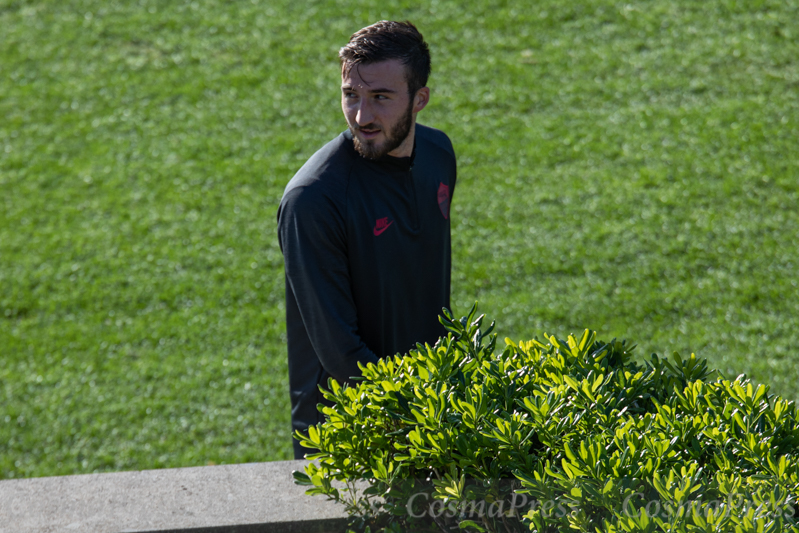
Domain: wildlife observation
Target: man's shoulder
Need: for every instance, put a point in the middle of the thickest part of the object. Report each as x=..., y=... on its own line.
x=324, y=175
x=435, y=138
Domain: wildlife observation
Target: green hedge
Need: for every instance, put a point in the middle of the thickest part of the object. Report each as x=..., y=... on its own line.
x=554, y=436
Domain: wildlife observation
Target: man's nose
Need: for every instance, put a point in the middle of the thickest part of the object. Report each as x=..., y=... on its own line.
x=364, y=115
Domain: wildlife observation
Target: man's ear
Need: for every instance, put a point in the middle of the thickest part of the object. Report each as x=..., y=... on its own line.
x=420, y=99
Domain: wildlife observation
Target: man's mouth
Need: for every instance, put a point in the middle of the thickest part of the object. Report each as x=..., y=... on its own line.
x=369, y=133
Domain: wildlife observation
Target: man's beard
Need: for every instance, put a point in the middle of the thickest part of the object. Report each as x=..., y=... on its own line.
x=394, y=137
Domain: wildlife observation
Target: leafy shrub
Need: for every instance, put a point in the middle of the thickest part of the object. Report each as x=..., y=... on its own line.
x=552, y=437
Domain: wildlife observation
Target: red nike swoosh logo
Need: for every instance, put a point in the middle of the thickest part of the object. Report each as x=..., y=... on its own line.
x=377, y=231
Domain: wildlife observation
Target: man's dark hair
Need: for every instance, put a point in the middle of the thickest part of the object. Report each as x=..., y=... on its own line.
x=387, y=40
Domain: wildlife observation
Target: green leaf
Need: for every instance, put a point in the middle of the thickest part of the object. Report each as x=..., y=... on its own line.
x=464, y=524
x=571, y=382
x=736, y=416
x=301, y=478
x=569, y=453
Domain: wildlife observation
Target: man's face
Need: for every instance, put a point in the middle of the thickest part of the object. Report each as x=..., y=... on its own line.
x=378, y=109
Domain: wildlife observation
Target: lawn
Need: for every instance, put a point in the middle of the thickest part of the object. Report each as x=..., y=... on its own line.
x=627, y=167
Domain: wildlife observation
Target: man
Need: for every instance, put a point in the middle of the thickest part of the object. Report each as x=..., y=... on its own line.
x=364, y=224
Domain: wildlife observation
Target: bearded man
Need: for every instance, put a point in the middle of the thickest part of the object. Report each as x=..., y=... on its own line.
x=364, y=225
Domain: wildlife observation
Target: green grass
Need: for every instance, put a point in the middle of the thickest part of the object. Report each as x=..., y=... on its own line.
x=627, y=167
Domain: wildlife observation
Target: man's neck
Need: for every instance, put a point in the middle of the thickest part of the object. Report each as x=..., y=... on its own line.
x=406, y=148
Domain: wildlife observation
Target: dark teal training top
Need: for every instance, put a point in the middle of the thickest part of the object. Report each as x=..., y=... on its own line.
x=366, y=245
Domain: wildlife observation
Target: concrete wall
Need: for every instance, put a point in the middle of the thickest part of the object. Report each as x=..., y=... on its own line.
x=248, y=498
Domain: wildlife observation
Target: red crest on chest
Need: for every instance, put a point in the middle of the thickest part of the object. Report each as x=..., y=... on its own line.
x=443, y=199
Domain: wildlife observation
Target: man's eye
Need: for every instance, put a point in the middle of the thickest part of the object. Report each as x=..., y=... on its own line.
x=381, y=97
x=349, y=95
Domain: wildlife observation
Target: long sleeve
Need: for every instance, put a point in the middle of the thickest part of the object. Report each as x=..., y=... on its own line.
x=367, y=253
x=312, y=236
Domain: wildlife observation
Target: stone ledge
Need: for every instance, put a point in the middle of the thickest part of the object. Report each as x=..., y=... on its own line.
x=247, y=498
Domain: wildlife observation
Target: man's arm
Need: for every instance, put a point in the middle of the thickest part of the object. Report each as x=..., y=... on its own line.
x=312, y=236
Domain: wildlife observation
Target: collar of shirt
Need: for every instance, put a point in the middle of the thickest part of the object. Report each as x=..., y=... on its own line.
x=387, y=162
